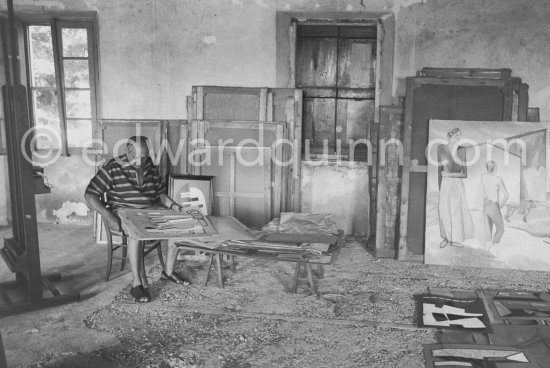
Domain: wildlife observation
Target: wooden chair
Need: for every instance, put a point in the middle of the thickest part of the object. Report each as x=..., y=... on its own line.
x=148, y=247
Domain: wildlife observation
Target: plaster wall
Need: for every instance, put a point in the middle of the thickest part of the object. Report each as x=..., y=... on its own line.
x=152, y=51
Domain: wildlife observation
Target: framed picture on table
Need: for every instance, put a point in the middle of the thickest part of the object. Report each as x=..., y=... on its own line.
x=192, y=191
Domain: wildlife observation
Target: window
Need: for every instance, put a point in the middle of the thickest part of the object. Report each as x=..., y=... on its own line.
x=335, y=68
x=62, y=82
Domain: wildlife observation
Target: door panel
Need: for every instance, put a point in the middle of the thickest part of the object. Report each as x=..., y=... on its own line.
x=316, y=62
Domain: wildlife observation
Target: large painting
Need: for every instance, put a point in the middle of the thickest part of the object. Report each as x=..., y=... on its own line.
x=488, y=194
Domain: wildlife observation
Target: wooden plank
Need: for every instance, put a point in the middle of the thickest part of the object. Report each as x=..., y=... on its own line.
x=297, y=164
x=317, y=31
x=240, y=194
x=269, y=116
x=48, y=284
x=499, y=83
x=232, y=179
x=292, y=36
x=320, y=92
x=478, y=73
x=199, y=100
x=263, y=105
x=278, y=183
x=191, y=113
x=184, y=136
x=268, y=193
x=384, y=65
x=163, y=162
x=329, y=92
x=407, y=137
x=362, y=93
x=193, y=143
x=291, y=153
x=234, y=124
x=523, y=103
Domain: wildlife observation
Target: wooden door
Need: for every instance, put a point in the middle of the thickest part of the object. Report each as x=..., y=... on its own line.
x=335, y=68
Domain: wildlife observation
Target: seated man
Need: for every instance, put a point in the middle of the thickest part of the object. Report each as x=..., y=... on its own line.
x=132, y=181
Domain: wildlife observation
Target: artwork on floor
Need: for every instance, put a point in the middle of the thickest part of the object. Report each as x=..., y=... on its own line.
x=192, y=191
x=510, y=307
x=445, y=312
x=476, y=356
x=488, y=187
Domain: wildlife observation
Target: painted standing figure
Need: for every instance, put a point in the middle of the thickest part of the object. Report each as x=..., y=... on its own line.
x=495, y=196
x=455, y=220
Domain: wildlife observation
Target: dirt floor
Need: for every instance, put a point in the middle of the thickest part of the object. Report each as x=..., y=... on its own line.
x=363, y=317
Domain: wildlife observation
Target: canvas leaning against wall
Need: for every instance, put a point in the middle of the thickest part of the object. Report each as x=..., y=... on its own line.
x=488, y=194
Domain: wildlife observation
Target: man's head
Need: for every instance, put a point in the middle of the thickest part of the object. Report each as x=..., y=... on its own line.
x=491, y=166
x=137, y=150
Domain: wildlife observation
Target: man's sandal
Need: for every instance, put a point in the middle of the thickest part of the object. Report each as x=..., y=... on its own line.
x=147, y=292
x=175, y=278
x=139, y=294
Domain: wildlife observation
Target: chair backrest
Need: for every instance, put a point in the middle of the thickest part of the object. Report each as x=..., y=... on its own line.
x=193, y=198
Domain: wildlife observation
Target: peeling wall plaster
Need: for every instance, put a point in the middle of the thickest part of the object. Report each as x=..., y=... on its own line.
x=69, y=210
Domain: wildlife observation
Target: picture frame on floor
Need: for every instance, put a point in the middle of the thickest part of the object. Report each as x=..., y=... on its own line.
x=192, y=191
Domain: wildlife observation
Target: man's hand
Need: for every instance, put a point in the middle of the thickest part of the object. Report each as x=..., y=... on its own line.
x=113, y=222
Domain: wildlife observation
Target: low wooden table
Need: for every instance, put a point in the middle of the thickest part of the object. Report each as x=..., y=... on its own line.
x=230, y=228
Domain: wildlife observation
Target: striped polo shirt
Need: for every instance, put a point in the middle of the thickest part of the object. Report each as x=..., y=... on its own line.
x=119, y=180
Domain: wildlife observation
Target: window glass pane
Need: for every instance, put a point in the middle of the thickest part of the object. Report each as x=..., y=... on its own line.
x=41, y=58
x=75, y=42
x=77, y=73
x=78, y=104
x=79, y=133
x=46, y=114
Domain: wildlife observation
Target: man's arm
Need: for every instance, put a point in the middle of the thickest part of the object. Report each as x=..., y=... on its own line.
x=95, y=204
x=97, y=187
x=168, y=202
x=504, y=192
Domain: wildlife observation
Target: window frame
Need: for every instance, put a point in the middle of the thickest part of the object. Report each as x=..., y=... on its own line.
x=57, y=22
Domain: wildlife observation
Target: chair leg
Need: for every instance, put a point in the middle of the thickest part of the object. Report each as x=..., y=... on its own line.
x=109, y=261
x=143, y=273
x=124, y=256
x=159, y=253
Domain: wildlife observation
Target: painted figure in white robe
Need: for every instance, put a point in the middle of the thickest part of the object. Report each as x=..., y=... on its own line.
x=455, y=220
